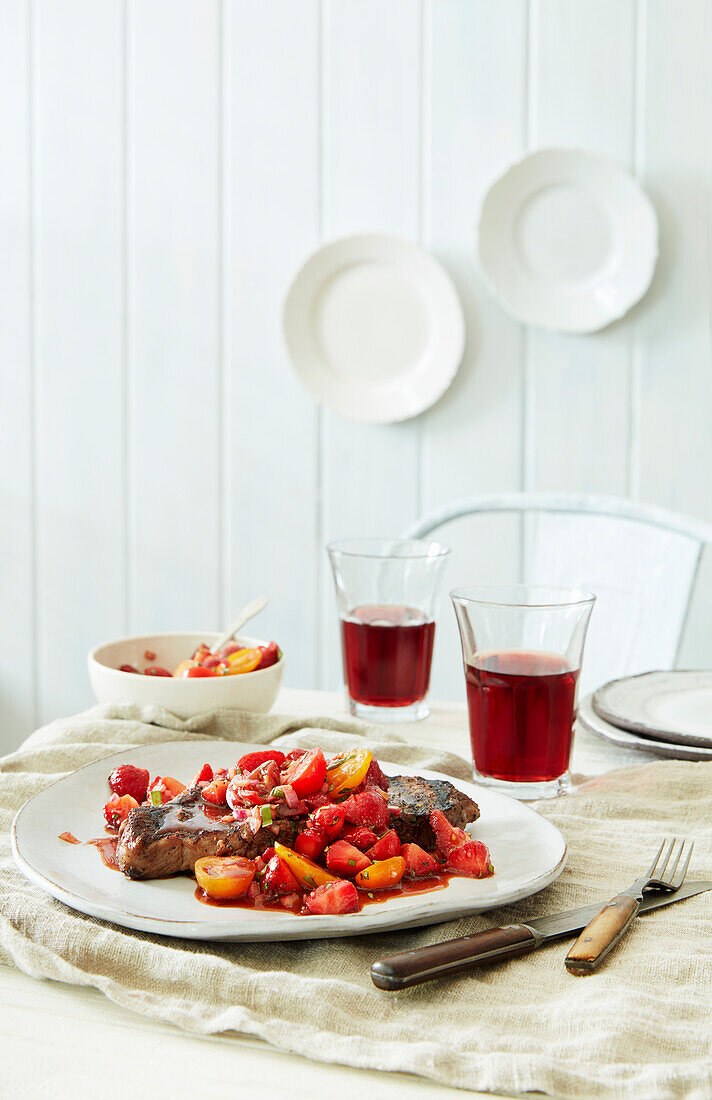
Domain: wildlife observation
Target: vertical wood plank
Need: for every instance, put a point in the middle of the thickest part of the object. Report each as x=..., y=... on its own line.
x=78, y=326
x=16, y=438
x=582, y=74
x=675, y=330
x=176, y=452
x=272, y=196
x=371, y=183
x=471, y=438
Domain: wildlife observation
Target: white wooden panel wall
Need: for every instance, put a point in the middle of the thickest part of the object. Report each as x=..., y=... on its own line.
x=165, y=167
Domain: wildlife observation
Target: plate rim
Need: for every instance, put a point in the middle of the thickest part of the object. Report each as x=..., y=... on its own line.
x=627, y=739
x=307, y=928
x=642, y=727
x=456, y=336
x=611, y=314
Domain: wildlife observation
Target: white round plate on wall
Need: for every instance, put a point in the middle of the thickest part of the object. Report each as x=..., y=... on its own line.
x=374, y=328
x=567, y=240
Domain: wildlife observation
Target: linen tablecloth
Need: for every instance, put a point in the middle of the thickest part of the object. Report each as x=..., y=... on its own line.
x=640, y=1027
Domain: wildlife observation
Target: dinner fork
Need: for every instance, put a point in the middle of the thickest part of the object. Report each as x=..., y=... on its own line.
x=666, y=872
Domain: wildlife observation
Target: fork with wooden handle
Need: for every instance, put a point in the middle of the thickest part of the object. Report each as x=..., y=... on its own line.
x=667, y=872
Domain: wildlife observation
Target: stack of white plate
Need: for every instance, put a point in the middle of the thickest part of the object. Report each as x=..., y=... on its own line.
x=665, y=713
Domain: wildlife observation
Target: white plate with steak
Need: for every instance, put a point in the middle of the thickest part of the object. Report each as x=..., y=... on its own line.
x=159, y=844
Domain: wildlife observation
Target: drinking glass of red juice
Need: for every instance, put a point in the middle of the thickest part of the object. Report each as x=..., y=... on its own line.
x=386, y=591
x=522, y=647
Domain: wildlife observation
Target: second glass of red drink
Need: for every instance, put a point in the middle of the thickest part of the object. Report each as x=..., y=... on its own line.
x=386, y=591
x=522, y=647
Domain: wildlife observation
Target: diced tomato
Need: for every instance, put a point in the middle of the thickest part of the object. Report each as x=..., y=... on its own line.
x=361, y=837
x=367, y=808
x=216, y=792
x=375, y=776
x=381, y=875
x=244, y=660
x=418, y=862
x=156, y=670
x=296, y=754
x=230, y=648
x=333, y=899
x=447, y=836
x=252, y=760
x=203, y=776
x=331, y=818
x=117, y=809
x=149, y=655
x=471, y=860
x=307, y=774
x=389, y=845
x=225, y=876
x=129, y=668
x=270, y=655
x=127, y=779
x=344, y=860
x=211, y=662
x=312, y=842
x=277, y=879
x=198, y=671
x=168, y=788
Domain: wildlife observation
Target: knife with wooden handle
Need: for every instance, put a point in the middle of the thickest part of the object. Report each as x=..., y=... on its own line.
x=456, y=956
x=602, y=934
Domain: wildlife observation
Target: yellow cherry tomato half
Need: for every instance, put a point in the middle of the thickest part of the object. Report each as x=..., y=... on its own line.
x=244, y=660
x=381, y=874
x=347, y=771
x=225, y=876
x=308, y=874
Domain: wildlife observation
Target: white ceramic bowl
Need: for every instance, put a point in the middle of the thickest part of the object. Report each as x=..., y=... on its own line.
x=254, y=691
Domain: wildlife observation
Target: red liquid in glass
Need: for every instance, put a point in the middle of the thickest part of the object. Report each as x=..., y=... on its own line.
x=387, y=653
x=521, y=707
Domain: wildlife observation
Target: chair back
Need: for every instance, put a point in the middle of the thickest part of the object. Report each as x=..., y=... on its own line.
x=640, y=561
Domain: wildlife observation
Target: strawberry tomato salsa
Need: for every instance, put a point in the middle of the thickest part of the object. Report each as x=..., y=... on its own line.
x=232, y=660
x=344, y=847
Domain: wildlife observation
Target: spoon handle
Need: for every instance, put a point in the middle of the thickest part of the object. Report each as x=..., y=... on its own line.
x=248, y=612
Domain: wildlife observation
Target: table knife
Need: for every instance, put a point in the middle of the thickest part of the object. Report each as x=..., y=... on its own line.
x=442, y=960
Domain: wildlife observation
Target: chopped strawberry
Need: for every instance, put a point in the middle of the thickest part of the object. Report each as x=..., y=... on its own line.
x=447, y=836
x=418, y=862
x=344, y=860
x=312, y=842
x=117, y=809
x=270, y=655
x=307, y=774
x=333, y=899
x=471, y=860
x=127, y=779
x=199, y=671
x=168, y=788
x=149, y=655
x=389, y=845
x=367, y=808
x=252, y=760
x=331, y=818
x=203, y=776
x=361, y=837
x=129, y=668
x=277, y=879
x=216, y=792
x=156, y=670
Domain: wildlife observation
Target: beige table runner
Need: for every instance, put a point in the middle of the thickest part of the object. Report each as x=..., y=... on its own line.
x=641, y=1027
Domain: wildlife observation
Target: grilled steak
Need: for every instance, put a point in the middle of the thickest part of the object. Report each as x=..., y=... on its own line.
x=417, y=798
x=157, y=841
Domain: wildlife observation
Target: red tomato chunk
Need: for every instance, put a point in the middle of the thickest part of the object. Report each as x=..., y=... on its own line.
x=333, y=899
x=389, y=845
x=117, y=809
x=312, y=842
x=344, y=860
x=418, y=862
x=306, y=775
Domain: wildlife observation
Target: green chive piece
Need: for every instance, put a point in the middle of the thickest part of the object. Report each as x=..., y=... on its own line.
x=266, y=815
x=156, y=798
x=352, y=863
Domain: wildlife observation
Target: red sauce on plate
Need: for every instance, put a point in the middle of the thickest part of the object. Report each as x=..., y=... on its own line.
x=405, y=888
x=107, y=850
x=69, y=837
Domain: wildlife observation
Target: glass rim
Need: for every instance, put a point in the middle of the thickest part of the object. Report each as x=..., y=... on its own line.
x=577, y=597
x=347, y=547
